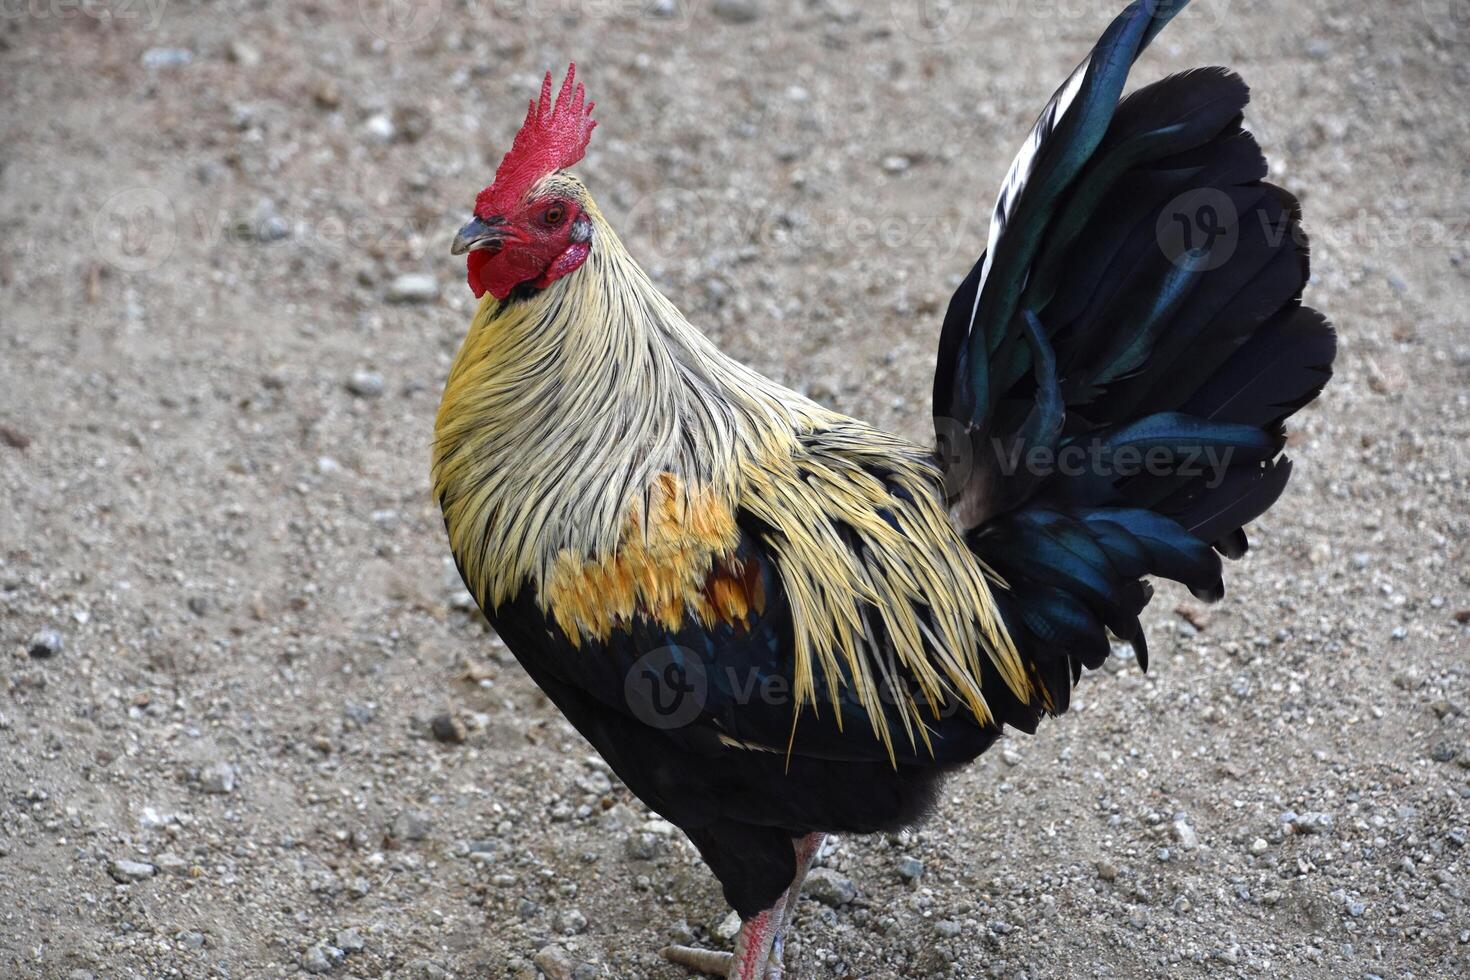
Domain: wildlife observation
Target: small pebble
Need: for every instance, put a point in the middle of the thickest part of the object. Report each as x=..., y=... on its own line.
x=910, y=869
x=322, y=958
x=366, y=384
x=410, y=826
x=448, y=728
x=640, y=846
x=171, y=864
x=157, y=58
x=217, y=778
x=422, y=969
x=571, y=922
x=413, y=287
x=727, y=927
x=45, y=644
x=327, y=95
x=1313, y=822
x=243, y=54
x=380, y=128
x=556, y=963
x=411, y=123
x=125, y=871
x=829, y=887
x=737, y=11
x=595, y=782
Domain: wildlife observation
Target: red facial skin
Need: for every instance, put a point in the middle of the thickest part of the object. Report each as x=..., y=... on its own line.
x=538, y=248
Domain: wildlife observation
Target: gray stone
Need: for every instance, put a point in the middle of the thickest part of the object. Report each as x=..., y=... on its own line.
x=217, y=778
x=737, y=11
x=728, y=927
x=641, y=846
x=322, y=958
x=488, y=851
x=157, y=58
x=1313, y=822
x=350, y=941
x=555, y=962
x=411, y=826
x=595, y=782
x=413, y=287
x=243, y=54
x=45, y=644
x=910, y=869
x=171, y=864
x=571, y=922
x=125, y=871
x=446, y=727
x=829, y=887
x=366, y=384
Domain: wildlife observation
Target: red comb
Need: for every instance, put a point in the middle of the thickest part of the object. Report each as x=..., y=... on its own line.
x=552, y=137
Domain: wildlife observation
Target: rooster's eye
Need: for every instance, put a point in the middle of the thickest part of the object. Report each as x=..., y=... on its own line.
x=553, y=214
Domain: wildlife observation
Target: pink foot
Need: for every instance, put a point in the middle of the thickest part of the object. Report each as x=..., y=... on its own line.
x=761, y=942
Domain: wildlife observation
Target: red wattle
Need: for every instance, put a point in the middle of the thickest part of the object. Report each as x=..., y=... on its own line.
x=500, y=273
x=474, y=262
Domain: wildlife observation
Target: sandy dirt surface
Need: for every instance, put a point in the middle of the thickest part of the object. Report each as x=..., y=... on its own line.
x=227, y=619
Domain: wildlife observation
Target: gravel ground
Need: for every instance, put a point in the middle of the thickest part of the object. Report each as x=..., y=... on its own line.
x=250, y=725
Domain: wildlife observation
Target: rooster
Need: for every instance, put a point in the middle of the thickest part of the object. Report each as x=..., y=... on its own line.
x=776, y=622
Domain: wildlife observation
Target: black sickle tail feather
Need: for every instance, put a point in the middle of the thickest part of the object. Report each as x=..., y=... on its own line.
x=1116, y=395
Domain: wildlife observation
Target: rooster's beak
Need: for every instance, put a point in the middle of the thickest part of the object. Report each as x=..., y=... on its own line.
x=480, y=234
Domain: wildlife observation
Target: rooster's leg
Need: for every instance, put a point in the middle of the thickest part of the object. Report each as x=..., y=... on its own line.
x=806, y=851
x=759, y=945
